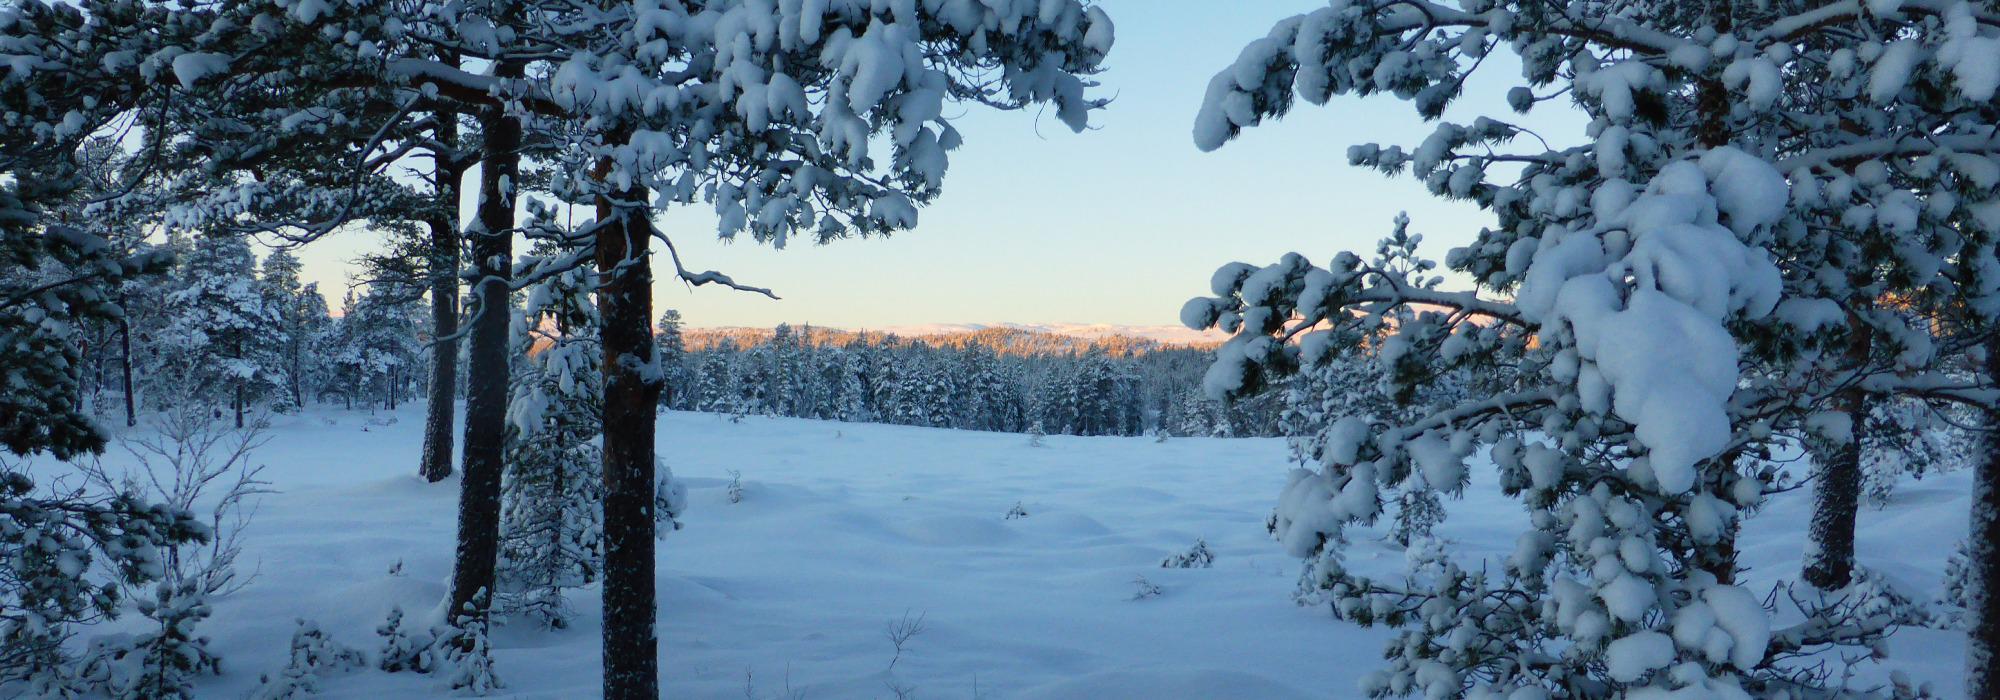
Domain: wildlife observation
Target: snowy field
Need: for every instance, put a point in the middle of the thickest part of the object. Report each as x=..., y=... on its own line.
x=846, y=528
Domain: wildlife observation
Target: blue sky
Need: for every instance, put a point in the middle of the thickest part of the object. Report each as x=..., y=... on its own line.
x=1119, y=224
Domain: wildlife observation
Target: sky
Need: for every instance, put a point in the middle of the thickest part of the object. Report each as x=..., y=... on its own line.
x=1120, y=224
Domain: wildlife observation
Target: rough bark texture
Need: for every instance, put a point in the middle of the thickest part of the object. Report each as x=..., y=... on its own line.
x=437, y=454
x=125, y=365
x=1836, y=496
x=486, y=367
x=1837, y=489
x=631, y=647
x=1982, y=678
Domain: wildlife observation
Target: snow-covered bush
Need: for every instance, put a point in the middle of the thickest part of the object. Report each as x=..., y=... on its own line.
x=192, y=461
x=464, y=653
x=1954, y=596
x=1143, y=589
x=313, y=655
x=399, y=650
x=1196, y=557
x=161, y=663
x=67, y=556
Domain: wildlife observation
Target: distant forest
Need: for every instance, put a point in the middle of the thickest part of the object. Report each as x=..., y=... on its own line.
x=997, y=379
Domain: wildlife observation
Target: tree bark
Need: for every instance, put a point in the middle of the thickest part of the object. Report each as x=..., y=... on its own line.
x=436, y=464
x=486, y=369
x=295, y=369
x=1837, y=492
x=624, y=300
x=125, y=366
x=1982, y=643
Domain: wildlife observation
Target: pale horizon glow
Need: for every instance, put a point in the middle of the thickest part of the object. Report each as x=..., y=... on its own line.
x=1118, y=225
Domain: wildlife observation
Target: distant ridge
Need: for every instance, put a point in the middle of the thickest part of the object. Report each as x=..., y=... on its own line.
x=1003, y=338
x=1165, y=335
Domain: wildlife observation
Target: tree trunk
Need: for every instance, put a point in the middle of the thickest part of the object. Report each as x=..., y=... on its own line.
x=1837, y=492
x=1982, y=643
x=436, y=463
x=631, y=647
x=125, y=365
x=295, y=357
x=239, y=405
x=486, y=368
x=1836, y=498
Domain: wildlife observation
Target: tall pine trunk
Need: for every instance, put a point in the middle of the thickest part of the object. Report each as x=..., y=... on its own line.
x=295, y=364
x=486, y=369
x=1982, y=643
x=1836, y=498
x=631, y=645
x=436, y=464
x=125, y=365
x=1829, y=561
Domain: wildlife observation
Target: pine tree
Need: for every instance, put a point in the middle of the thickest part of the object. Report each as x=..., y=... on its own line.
x=492, y=249
x=221, y=333
x=314, y=323
x=675, y=373
x=551, y=523
x=450, y=160
x=1742, y=187
x=55, y=277
x=284, y=292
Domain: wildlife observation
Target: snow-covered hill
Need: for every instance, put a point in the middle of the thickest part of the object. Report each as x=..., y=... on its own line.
x=998, y=336
x=1165, y=335
x=846, y=528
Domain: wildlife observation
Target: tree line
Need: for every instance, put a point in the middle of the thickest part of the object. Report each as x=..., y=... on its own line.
x=993, y=379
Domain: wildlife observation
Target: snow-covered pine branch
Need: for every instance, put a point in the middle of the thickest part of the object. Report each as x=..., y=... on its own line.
x=1673, y=296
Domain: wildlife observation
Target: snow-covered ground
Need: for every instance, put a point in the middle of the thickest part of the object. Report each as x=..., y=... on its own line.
x=846, y=528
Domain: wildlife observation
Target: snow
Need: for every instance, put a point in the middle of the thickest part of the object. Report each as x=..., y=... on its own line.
x=1738, y=614
x=1344, y=440
x=1614, y=85
x=191, y=68
x=844, y=527
x=1892, y=70
x=873, y=66
x=1631, y=658
x=1627, y=597
x=1442, y=468
x=1660, y=346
